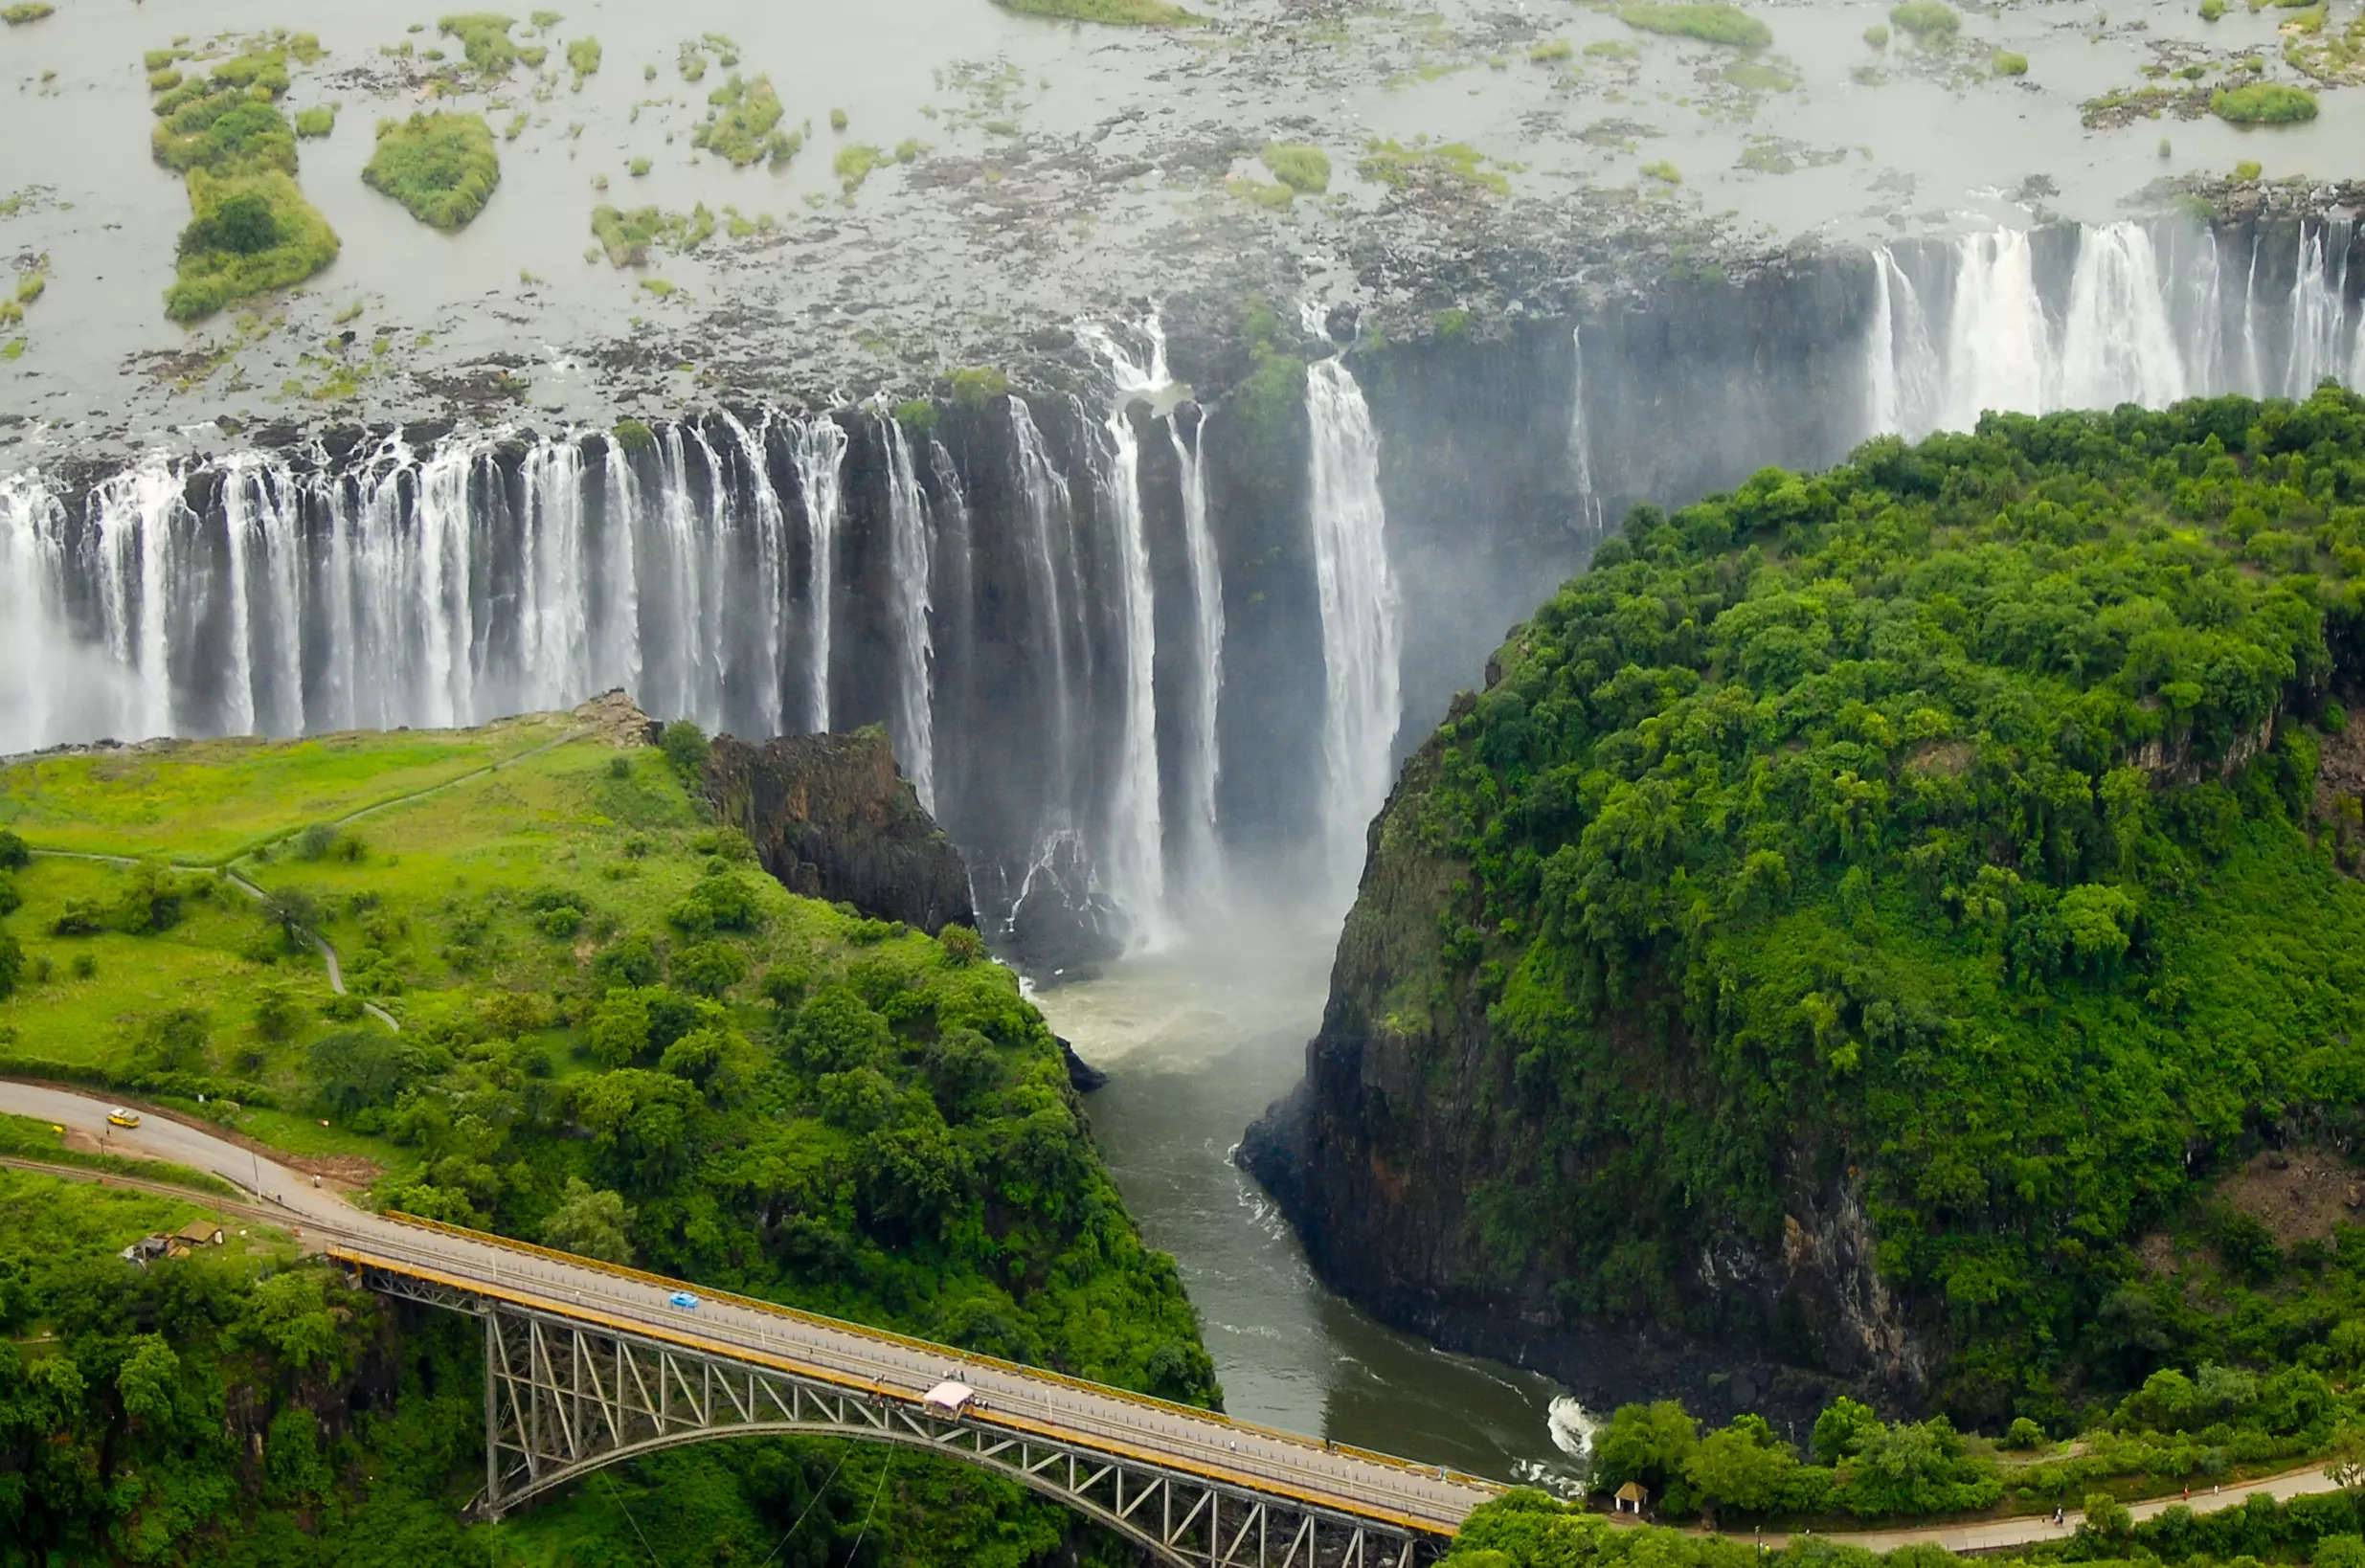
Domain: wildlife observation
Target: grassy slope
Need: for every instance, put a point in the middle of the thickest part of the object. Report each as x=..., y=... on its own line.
x=1027, y=1253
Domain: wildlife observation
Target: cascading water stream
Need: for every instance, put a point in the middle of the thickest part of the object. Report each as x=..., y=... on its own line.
x=2117, y=345
x=1202, y=763
x=819, y=449
x=1580, y=443
x=906, y=504
x=1362, y=636
x=1136, y=820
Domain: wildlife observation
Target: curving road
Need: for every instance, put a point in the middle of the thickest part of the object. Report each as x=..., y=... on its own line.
x=1255, y=1458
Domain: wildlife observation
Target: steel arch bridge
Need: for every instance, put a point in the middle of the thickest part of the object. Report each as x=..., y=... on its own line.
x=570, y=1391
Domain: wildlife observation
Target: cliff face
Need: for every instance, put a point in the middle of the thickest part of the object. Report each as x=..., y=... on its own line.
x=832, y=819
x=1409, y=1116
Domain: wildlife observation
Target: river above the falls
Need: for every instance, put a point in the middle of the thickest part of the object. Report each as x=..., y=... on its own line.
x=1197, y=1038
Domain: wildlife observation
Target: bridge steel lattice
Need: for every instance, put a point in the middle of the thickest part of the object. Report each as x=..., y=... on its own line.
x=565, y=1396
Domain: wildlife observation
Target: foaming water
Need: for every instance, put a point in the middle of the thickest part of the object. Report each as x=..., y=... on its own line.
x=1198, y=1038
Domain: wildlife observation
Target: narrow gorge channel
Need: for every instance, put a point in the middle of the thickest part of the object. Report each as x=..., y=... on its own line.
x=1149, y=646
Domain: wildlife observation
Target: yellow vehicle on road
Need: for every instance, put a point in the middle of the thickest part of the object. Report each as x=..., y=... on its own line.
x=121, y=1118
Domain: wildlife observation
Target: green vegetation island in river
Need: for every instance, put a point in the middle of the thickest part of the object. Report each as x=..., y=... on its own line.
x=1902, y=927
x=616, y=1036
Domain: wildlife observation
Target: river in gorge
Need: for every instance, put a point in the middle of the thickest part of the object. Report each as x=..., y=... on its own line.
x=1197, y=1038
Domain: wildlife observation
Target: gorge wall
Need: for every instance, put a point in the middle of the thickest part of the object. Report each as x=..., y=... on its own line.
x=1128, y=644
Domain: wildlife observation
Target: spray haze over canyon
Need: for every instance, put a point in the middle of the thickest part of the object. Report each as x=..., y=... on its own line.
x=1156, y=517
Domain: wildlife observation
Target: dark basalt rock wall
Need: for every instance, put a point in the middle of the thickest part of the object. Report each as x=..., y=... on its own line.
x=832, y=819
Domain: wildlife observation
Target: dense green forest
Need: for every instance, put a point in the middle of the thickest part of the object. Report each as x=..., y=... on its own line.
x=1526, y=1529
x=1970, y=831
x=616, y=1036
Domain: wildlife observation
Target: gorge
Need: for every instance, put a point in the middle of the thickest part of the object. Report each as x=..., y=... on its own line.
x=1121, y=651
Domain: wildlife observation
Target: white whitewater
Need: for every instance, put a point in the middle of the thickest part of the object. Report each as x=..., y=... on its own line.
x=1136, y=817
x=2146, y=316
x=556, y=655
x=1203, y=761
x=621, y=573
x=1363, y=635
x=768, y=523
x=1045, y=491
x=2117, y=346
x=913, y=728
x=1579, y=443
x=32, y=630
x=820, y=448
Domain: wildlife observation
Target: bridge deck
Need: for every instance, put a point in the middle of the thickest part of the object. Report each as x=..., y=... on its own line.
x=1022, y=1401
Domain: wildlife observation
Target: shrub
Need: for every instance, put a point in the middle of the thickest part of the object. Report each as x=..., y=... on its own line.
x=2010, y=64
x=2211, y=10
x=317, y=121
x=974, y=386
x=441, y=167
x=14, y=855
x=709, y=968
x=962, y=945
x=315, y=841
x=853, y=165
x=12, y=965
x=1929, y=21
x=1663, y=172
x=1710, y=21
x=27, y=11
x=1307, y=169
x=1877, y=34
x=635, y=436
x=837, y=120
x=484, y=38
x=741, y=125
x=640, y=167
x=1110, y=13
x=2263, y=104
x=2249, y=168
x=685, y=746
x=163, y=80
x=1553, y=49
x=916, y=415
x=583, y=59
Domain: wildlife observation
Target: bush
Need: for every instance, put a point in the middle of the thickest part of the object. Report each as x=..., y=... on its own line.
x=640, y=167
x=1708, y=20
x=215, y=272
x=2263, y=104
x=26, y=10
x=685, y=746
x=740, y=127
x=1307, y=169
x=962, y=945
x=1877, y=34
x=2211, y=10
x=1109, y=13
x=442, y=167
x=2010, y=64
x=315, y=841
x=583, y=59
x=14, y=855
x=12, y=965
x=484, y=38
x=317, y=121
x=1929, y=21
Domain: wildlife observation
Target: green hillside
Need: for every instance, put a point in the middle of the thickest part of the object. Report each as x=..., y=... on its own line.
x=594, y=1023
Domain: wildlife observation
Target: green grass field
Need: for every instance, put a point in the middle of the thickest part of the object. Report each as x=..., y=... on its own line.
x=200, y=803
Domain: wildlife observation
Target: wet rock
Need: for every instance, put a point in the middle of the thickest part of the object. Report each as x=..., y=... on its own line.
x=832, y=817
x=1082, y=1076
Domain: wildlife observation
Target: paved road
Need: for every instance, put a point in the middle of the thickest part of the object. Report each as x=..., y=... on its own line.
x=1252, y=1457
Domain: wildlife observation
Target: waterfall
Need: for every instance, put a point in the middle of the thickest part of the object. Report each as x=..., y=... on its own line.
x=819, y=449
x=2117, y=346
x=555, y=572
x=1580, y=446
x=765, y=636
x=1203, y=760
x=907, y=552
x=2316, y=307
x=1138, y=868
x=1998, y=342
x=621, y=504
x=1362, y=634
x=1044, y=489
x=2146, y=316
x=53, y=687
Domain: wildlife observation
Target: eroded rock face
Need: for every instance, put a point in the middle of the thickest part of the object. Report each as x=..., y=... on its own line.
x=831, y=817
x=1383, y=1156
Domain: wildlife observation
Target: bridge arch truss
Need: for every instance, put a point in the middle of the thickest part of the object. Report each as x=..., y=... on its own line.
x=565, y=1397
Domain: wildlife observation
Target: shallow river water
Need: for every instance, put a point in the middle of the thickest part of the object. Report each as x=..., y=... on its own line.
x=1197, y=1040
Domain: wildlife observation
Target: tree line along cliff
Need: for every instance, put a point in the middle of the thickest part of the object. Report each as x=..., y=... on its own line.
x=1875, y=919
